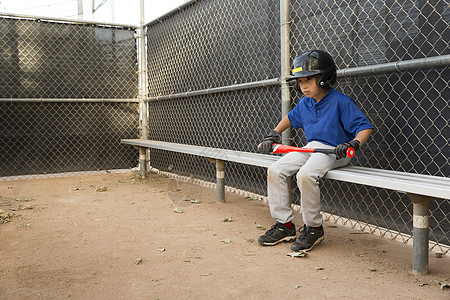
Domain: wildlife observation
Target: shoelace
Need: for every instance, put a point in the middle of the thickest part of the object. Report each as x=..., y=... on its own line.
x=272, y=229
x=304, y=231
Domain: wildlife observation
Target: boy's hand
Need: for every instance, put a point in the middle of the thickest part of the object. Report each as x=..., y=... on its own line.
x=266, y=144
x=341, y=150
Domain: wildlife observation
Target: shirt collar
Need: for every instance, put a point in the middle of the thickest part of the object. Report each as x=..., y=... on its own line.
x=323, y=100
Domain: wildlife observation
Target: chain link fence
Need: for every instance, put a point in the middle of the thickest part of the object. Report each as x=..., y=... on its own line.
x=68, y=89
x=192, y=54
x=66, y=96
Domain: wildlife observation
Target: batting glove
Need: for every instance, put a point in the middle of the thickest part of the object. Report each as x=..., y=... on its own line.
x=266, y=144
x=341, y=150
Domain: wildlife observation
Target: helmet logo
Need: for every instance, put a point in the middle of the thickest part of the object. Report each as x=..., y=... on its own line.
x=297, y=70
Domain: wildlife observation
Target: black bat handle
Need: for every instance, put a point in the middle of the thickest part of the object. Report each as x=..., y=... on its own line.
x=350, y=151
x=324, y=150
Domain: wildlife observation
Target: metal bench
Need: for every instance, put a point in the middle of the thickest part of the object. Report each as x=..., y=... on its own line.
x=421, y=189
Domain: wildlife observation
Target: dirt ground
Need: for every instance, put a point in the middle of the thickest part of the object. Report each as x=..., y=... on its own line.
x=162, y=238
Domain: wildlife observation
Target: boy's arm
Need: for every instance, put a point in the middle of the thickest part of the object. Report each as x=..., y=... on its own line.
x=363, y=136
x=283, y=125
x=274, y=136
x=360, y=138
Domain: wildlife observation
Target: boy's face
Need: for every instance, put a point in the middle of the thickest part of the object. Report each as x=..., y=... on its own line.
x=310, y=89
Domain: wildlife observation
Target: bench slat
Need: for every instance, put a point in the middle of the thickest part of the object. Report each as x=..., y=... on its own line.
x=432, y=186
x=255, y=159
x=426, y=185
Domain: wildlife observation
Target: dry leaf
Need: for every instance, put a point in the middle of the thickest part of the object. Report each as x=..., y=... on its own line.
x=102, y=188
x=298, y=254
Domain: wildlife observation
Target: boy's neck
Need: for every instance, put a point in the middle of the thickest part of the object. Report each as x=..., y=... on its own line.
x=321, y=95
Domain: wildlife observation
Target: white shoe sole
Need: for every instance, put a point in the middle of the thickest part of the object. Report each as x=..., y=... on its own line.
x=306, y=250
x=287, y=239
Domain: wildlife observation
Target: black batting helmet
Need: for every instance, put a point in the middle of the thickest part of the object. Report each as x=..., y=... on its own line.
x=313, y=63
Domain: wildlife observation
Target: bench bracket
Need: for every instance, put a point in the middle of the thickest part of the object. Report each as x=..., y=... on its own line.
x=421, y=228
x=143, y=161
x=220, y=176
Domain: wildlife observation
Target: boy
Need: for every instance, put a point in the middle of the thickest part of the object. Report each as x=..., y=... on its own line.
x=329, y=119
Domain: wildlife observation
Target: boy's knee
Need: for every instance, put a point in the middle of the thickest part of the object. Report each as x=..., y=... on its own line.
x=302, y=173
x=276, y=172
x=273, y=171
x=305, y=175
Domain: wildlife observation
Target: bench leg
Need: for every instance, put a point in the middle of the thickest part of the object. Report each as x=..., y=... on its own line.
x=220, y=170
x=421, y=228
x=143, y=161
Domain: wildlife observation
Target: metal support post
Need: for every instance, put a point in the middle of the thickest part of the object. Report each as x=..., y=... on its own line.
x=143, y=161
x=143, y=92
x=220, y=170
x=421, y=228
x=285, y=72
x=285, y=67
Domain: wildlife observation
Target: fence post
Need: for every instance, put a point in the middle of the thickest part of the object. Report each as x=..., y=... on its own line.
x=143, y=92
x=285, y=66
x=285, y=72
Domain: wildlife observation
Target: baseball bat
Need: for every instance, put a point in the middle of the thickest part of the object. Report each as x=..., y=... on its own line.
x=279, y=148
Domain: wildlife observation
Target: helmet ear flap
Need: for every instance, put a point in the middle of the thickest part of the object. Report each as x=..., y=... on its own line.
x=324, y=83
x=321, y=83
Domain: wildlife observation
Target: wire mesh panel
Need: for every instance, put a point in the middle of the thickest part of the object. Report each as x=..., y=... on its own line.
x=45, y=138
x=46, y=59
x=205, y=45
x=359, y=33
x=235, y=120
x=214, y=43
x=47, y=69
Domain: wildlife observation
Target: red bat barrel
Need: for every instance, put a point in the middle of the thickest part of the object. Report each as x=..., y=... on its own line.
x=279, y=148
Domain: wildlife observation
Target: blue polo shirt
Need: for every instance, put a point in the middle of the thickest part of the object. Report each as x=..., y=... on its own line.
x=334, y=120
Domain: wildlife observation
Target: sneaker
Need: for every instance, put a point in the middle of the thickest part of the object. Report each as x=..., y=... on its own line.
x=278, y=233
x=309, y=237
